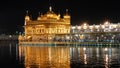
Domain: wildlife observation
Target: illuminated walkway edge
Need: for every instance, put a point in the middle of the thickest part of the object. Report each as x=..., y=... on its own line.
x=68, y=43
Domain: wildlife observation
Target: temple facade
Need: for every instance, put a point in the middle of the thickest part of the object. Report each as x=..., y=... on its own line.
x=52, y=27
x=46, y=27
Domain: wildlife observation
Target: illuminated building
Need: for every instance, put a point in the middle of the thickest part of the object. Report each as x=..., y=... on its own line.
x=86, y=28
x=46, y=27
x=107, y=32
x=51, y=27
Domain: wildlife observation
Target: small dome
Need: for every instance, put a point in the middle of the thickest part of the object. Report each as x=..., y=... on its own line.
x=66, y=15
x=27, y=17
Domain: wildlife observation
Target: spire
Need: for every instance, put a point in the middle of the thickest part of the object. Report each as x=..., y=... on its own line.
x=27, y=12
x=39, y=16
x=27, y=17
x=66, y=11
x=39, y=13
x=50, y=8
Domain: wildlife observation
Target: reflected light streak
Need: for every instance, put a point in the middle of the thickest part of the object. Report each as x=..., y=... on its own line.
x=49, y=54
x=106, y=61
x=97, y=52
x=85, y=58
x=10, y=49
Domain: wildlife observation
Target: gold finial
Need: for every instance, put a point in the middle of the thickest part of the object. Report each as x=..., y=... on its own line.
x=50, y=8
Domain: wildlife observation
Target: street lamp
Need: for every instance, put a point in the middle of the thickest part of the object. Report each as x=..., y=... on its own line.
x=85, y=26
x=106, y=23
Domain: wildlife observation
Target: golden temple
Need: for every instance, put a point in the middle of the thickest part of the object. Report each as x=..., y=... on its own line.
x=46, y=27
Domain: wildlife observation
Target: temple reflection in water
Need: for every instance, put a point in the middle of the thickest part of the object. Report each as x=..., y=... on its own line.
x=45, y=56
x=68, y=56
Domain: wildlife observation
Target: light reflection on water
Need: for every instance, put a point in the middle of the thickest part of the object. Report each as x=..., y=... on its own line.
x=69, y=56
x=58, y=56
x=45, y=56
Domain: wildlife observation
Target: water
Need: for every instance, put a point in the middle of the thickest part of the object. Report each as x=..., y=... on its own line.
x=13, y=55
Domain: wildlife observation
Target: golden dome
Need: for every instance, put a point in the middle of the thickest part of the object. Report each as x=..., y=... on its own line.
x=50, y=14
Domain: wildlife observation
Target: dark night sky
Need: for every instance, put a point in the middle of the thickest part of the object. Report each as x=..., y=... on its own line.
x=94, y=12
